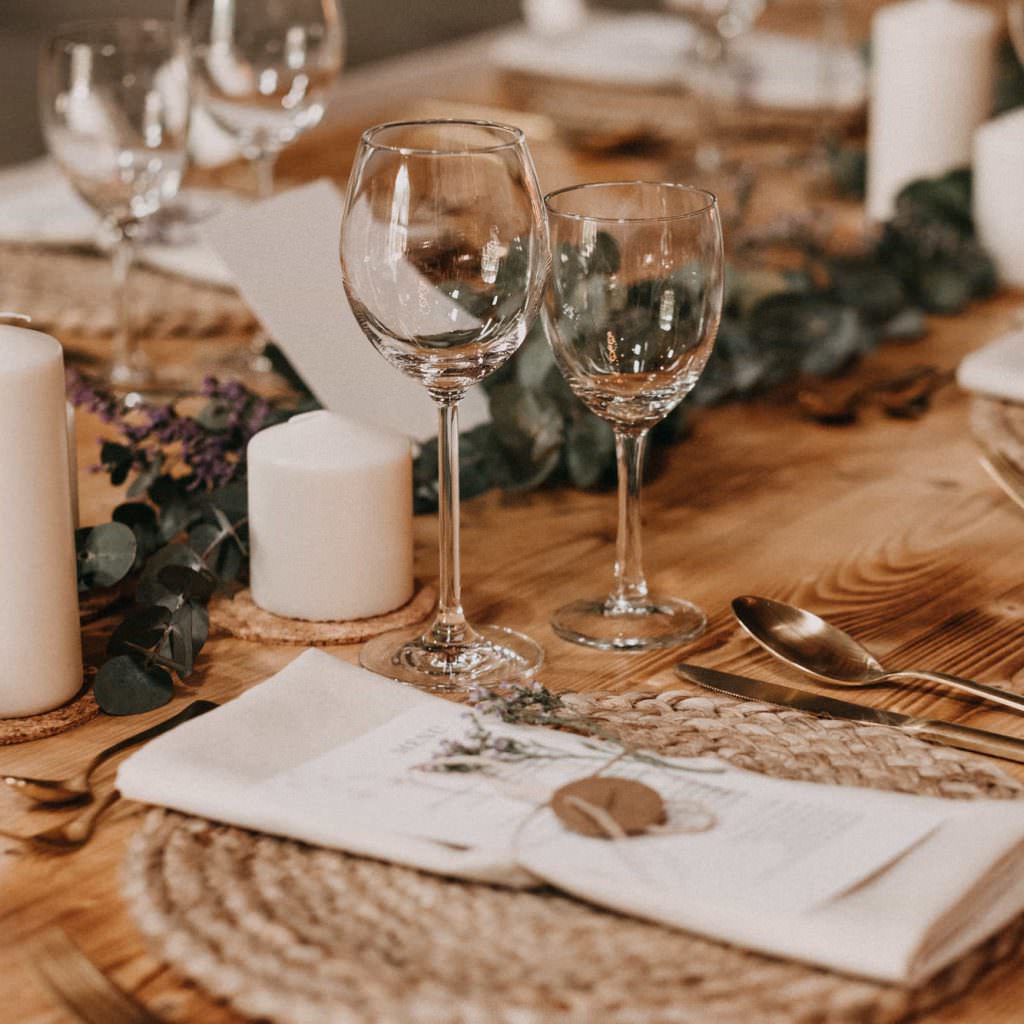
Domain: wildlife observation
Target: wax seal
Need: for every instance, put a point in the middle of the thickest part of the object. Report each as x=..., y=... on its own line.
x=608, y=807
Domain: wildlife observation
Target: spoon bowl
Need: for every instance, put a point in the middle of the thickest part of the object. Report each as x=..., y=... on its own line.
x=816, y=647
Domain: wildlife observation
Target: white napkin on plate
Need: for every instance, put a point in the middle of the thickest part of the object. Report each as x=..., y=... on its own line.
x=882, y=885
x=39, y=207
x=996, y=369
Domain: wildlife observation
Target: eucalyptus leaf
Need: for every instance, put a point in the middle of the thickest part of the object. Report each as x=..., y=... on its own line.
x=106, y=554
x=150, y=589
x=141, y=631
x=187, y=582
x=125, y=687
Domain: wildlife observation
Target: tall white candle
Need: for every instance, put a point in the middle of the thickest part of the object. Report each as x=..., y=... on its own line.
x=40, y=638
x=933, y=71
x=72, y=464
x=330, y=519
x=998, y=193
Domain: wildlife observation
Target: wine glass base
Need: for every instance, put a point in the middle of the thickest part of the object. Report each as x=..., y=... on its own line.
x=651, y=623
x=495, y=655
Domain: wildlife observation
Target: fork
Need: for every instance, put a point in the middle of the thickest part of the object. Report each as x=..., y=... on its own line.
x=69, y=836
x=1006, y=474
x=76, y=788
x=80, y=986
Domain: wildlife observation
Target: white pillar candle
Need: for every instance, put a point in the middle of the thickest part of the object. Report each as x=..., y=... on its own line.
x=40, y=638
x=554, y=17
x=933, y=68
x=330, y=519
x=998, y=193
x=72, y=463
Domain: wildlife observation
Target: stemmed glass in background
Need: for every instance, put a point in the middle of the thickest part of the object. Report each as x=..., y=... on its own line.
x=114, y=106
x=632, y=312
x=444, y=256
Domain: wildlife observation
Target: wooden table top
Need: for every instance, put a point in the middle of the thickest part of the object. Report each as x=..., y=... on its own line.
x=890, y=526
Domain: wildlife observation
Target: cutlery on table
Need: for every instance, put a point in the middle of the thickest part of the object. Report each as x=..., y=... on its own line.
x=961, y=736
x=812, y=645
x=1006, y=474
x=76, y=788
x=80, y=986
x=71, y=835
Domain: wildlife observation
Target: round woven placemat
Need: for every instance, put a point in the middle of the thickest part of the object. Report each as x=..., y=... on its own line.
x=242, y=617
x=77, y=711
x=294, y=934
x=68, y=291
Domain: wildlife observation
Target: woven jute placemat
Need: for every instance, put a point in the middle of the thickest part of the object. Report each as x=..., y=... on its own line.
x=77, y=711
x=71, y=291
x=296, y=934
x=242, y=617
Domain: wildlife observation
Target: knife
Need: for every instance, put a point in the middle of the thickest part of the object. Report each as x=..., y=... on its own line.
x=961, y=736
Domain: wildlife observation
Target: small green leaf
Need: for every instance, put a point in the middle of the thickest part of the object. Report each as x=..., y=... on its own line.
x=106, y=554
x=141, y=631
x=124, y=687
x=189, y=583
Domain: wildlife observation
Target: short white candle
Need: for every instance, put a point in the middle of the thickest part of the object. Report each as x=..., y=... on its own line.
x=998, y=193
x=40, y=636
x=330, y=519
x=933, y=68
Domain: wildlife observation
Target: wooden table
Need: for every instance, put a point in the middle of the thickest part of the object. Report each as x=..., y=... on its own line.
x=889, y=526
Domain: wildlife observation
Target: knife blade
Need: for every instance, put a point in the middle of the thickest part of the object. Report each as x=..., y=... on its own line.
x=961, y=736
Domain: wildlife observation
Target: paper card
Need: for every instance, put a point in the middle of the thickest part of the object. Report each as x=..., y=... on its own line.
x=283, y=255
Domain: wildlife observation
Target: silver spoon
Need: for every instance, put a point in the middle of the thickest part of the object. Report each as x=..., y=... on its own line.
x=76, y=788
x=812, y=645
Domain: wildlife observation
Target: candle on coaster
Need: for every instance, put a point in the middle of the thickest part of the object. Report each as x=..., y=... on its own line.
x=330, y=519
x=40, y=637
x=933, y=70
x=998, y=193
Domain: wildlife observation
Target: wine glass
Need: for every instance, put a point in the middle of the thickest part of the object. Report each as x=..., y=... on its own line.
x=444, y=256
x=631, y=315
x=114, y=107
x=262, y=70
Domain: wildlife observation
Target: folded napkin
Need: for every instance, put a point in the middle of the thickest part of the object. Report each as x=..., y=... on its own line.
x=39, y=207
x=882, y=885
x=996, y=369
x=654, y=50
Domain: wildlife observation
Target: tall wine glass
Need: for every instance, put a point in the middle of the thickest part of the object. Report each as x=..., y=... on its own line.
x=114, y=107
x=444, y=256
x=262, y=70
x=632, y=312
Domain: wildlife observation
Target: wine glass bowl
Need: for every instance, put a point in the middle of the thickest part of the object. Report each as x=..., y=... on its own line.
x=114, y=108
x=262, y=71
x=631, y=315
x=444, y=258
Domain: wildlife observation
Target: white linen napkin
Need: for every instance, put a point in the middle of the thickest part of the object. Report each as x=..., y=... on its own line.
x=995, y=369
x=882, y=885
x=39, y=207
x=653, y=50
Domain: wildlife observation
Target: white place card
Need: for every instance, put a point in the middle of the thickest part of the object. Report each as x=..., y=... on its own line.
x=283, y=256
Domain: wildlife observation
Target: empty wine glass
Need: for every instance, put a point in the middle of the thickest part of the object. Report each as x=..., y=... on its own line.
x=444, y=256
x=631, y=315
x=262, y=70
x=114, y=107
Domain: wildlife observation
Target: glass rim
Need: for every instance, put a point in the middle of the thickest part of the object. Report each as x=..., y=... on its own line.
x=75, y=32
x=516, y=136
x=710, y=204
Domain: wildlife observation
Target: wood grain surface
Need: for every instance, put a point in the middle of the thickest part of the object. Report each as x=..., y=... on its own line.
x=889, y=527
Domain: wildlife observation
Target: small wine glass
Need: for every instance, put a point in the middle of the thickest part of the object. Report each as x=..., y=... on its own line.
x=631, y=315
x=114, y=107
x=262, y=71
x=444, y=255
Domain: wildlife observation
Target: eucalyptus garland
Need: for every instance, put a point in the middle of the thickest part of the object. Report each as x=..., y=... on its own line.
x=181, y=535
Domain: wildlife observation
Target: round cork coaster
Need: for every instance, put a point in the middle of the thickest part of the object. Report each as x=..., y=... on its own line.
x=77, y=711
x=296, y=934
x=242, y=617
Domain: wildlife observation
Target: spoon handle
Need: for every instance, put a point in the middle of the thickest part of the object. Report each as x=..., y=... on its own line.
x=992, y=693
x=964, y=738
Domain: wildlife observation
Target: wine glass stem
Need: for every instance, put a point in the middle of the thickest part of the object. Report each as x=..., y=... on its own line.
x=265, y=164
x=126, y=362
x=449, y=625
x=630, y=584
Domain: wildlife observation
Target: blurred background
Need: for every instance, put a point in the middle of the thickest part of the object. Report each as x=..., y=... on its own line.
x=376, y=29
